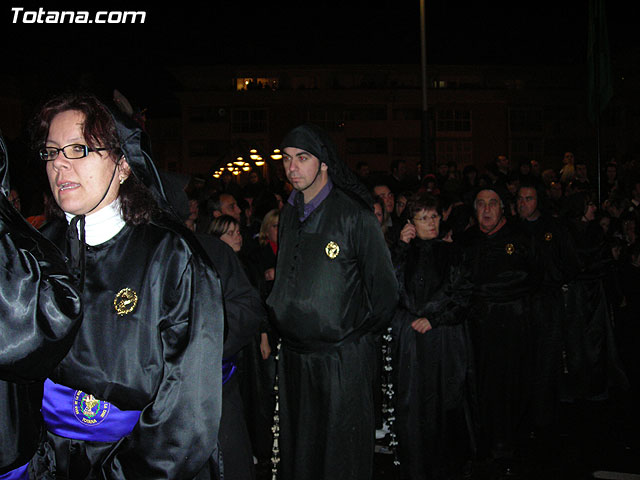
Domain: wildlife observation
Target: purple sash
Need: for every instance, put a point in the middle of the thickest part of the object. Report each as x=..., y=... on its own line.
x=79, y=415
x=228, y=368
x=20, y=473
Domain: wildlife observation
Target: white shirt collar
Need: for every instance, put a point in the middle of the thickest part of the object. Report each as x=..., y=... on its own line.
x=102, y=225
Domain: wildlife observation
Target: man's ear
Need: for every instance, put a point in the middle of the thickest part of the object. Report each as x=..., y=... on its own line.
x=323, y=167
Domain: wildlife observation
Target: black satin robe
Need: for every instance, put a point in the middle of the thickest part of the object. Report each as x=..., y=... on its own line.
x=256, y=374
x=328, y=311
x=40, y=312
x=244, y=313
x=557, y=263
x=591, y=364
x=163, y=358
x=430, y=369
x=502, y=271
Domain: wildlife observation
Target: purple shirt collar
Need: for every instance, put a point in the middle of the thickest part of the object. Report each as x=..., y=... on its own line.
x=315, y=201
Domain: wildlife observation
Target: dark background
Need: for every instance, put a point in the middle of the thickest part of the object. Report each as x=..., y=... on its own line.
x=272, y=33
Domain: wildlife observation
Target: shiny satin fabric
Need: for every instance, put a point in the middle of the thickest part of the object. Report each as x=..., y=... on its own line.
x=40, y=311
x=502, y=272
x=592, y=365
x=430, y=370
x=160, y=354
x=39, y=306
x=334, y=290
x=20, y=473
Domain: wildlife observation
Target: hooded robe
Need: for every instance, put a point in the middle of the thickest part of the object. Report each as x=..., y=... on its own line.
x=334, y=291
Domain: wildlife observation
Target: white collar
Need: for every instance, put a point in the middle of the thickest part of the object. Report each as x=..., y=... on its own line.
x=101, y=225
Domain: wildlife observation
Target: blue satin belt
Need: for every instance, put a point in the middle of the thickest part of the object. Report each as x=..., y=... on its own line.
x=75, y=414
x=228, y=368
x=20, y=473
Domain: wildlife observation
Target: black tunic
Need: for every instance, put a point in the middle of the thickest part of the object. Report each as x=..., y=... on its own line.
x=557, y=263
x=162, y=358
x=334, y=290
x=39, y=315
x=501, y=266
x=244, y=313
x=592, y=365
x=430, y=369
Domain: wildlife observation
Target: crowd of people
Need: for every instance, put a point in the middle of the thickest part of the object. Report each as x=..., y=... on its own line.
x=189, y=330
x=516, y=317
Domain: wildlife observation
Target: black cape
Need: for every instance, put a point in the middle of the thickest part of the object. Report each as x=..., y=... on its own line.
x=40, y=312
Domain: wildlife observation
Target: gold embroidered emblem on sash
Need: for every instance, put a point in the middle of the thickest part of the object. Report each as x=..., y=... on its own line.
x=548, y=236
x=509, y=248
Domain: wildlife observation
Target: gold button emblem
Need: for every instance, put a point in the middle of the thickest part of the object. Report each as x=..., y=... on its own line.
x=548, y=236
x=332, y=250
x=509, y=248
x=125, y=301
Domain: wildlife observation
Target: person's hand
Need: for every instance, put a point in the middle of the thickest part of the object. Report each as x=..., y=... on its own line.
x=270, y=274
x=408, y=232
x=265, y=348
x=421, y=325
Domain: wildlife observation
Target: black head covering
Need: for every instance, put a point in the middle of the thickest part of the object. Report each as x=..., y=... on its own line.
x=316, y=141
x=137, y=150
x=501, y=191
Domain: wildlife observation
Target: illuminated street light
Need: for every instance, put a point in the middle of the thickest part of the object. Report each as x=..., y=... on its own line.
x=276, y=155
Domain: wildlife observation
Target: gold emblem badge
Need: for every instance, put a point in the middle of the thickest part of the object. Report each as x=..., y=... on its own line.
x=509, y=248
x=125, y=301
x=548, y=236
x=332, y=250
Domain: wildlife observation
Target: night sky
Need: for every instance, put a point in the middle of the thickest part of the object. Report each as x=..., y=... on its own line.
x=320, y=32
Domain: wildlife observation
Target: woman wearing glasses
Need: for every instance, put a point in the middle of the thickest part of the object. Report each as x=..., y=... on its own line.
x=431, y=350
x=138, y=395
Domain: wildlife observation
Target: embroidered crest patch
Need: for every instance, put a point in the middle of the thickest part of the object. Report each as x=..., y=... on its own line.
x=125, y=301
x=332, y=250
x=88, y=410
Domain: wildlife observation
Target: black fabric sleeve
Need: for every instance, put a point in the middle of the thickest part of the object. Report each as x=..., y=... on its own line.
x=243, y=307
x=40, y=310
x=376, y=269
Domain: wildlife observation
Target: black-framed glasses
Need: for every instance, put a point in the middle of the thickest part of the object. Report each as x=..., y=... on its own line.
x=72, y=152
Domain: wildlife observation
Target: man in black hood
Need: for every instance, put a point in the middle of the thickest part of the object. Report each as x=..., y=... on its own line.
x=334, y=291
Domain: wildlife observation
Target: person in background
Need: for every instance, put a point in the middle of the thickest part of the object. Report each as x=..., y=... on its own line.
x=431, y=344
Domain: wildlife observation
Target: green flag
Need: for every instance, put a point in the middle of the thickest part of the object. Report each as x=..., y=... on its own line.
x=600, y=89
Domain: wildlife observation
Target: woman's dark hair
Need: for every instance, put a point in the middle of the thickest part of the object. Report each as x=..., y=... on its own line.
x=423, y=201
x=221, y=225
x=99, y=130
